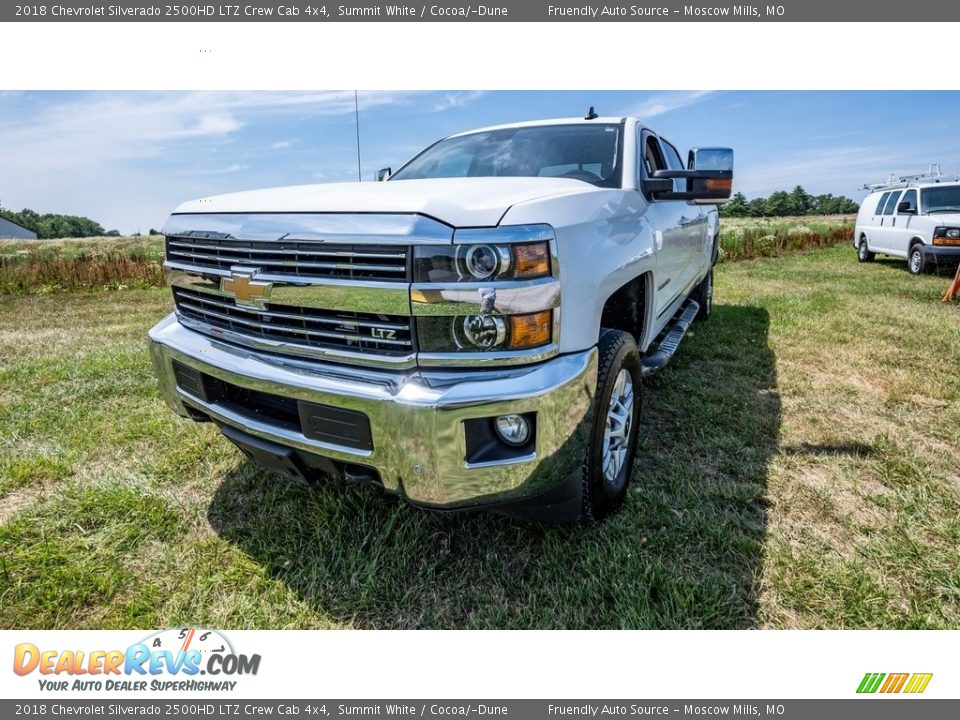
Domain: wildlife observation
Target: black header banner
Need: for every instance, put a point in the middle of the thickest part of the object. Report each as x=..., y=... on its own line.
x=496, y=11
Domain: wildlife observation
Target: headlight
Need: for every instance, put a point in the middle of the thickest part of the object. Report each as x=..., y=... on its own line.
x=484, y=261
x=479, y=263
x=482, y=333
x=946, y=236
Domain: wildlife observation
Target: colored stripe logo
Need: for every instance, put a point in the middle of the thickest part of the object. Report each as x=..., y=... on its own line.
x=913, y=683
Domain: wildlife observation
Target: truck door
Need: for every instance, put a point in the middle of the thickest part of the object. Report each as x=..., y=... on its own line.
x=669, y=234
x=901, y=230
x=693, y=222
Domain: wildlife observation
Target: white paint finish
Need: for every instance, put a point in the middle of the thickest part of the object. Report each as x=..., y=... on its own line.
x=459, y=202
x=604, y=241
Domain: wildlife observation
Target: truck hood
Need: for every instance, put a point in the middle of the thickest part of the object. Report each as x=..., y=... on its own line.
x=459, y=202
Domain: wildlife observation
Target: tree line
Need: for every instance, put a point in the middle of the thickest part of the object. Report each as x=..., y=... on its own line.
x=796, y=202
x=54, y=225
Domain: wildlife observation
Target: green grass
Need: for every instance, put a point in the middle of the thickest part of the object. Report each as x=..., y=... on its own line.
x=798, y=468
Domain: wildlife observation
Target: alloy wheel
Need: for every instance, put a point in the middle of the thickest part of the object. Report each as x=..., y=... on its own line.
x=616, y=437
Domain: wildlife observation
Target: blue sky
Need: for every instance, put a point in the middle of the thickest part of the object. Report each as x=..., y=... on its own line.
x=127, y=158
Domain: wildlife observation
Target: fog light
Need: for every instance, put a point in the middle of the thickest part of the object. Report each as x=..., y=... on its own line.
x=484, y=331
x=513, y=429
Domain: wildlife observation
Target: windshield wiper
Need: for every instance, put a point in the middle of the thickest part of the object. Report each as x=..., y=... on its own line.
x=943, y=209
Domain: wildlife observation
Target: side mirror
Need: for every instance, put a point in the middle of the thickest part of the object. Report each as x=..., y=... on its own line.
x=383, y=174
x=906, y=208
x=709, y=177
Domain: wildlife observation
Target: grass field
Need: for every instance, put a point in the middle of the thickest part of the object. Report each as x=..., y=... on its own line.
x=120, y=263
x=799, y=467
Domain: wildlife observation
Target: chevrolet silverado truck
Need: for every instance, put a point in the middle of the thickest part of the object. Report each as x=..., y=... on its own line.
x=470, y=333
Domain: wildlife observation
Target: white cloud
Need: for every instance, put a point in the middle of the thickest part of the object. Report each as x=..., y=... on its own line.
x=215, y=125
x=281, y=145
x=91, y=153
x=668, y=102
x=457, y=99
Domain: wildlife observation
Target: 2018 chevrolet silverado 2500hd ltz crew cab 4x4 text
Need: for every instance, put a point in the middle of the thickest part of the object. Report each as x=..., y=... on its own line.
x=470, y=333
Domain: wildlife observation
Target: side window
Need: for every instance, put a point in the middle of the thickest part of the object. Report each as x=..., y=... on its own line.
x=651, y=158
x=891, y=203
x=883, y=201
x=674, y=162
x=910, y=196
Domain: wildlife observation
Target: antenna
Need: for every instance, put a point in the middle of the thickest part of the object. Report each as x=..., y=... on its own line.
x=591, y=114
x=356, y=114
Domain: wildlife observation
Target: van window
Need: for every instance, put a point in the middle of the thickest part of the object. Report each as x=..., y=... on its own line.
x=910, y=196
x=883, y=201
x=891, y=203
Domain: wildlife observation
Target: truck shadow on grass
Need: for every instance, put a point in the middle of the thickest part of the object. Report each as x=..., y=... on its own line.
x=685, y=552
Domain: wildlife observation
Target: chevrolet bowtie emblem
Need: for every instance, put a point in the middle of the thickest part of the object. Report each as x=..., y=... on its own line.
x=245, y=290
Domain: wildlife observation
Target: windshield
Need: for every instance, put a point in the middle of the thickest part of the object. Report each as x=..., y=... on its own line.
x=941, y=199
x=582, y=152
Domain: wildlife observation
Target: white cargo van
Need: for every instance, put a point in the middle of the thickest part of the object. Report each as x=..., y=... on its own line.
x=915, y=217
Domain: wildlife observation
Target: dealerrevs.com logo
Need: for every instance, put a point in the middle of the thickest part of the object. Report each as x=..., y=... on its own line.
x=893, y=683
x=179, y=659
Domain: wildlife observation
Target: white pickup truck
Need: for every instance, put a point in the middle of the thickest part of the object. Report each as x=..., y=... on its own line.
x=470, y=333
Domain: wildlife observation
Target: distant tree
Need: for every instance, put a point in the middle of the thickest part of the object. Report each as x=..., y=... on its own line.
x=154, y=231
x=758, y=207
x=778, y=204
x=799, y=201
x=737, y=207
x=112, y=233
x=53, y=225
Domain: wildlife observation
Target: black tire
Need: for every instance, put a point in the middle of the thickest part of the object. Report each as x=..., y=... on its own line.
x=916, y=260
x=703, y=294
x=863, y=252
x=601, y=495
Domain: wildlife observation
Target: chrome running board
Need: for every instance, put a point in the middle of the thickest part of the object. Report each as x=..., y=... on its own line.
x=670, y=338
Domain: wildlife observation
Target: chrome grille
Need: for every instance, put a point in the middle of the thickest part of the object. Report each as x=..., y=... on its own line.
x=296, y=259
x=306, y=327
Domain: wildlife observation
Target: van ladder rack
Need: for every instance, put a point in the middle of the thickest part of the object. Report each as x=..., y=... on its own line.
x=934, y=174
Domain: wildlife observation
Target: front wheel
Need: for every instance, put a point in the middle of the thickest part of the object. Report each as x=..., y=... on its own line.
x=613, y=440
x=916, y=261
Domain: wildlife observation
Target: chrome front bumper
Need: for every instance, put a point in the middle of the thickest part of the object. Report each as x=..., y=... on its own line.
x=416, y=418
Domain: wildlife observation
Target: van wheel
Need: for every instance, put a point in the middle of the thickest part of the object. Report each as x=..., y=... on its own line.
x=863, y=252
x=613, y=438
x=916, y=262
x=703, y=294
